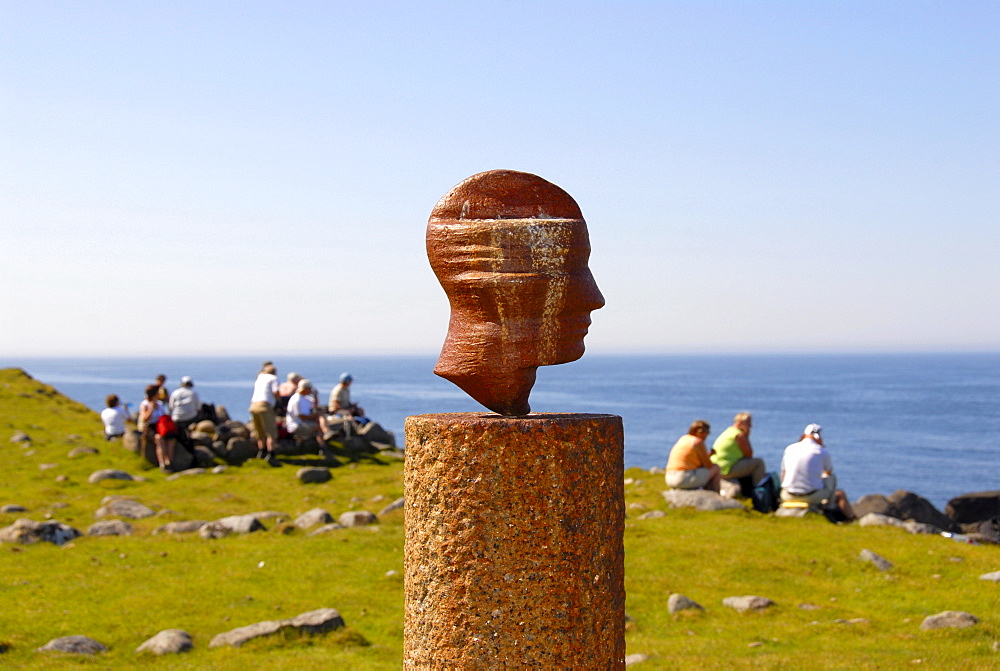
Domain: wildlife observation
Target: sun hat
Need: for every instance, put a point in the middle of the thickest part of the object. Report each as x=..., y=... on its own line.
x=346, y=377
x=813, y=430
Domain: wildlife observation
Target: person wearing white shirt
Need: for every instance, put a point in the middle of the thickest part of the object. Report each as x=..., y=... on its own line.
x=114, y=417
x=265, y=390
x=807, y=474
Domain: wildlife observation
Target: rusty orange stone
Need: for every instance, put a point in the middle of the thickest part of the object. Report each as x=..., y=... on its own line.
x=514, y=550
x=511, y=251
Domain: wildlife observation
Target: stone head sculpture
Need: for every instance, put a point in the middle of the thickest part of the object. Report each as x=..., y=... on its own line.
x=510, y=250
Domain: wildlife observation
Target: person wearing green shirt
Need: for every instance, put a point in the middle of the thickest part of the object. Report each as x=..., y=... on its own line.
x=734, y=455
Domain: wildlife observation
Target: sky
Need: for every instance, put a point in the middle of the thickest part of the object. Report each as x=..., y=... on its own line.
x=212, y=178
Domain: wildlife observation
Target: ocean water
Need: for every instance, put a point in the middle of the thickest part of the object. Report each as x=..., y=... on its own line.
x=925, y=423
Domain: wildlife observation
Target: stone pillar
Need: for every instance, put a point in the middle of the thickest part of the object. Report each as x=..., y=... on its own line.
x=514, y=553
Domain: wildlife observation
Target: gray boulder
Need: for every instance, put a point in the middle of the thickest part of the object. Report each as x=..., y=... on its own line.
x=974, y=507
x=110, y=528
x=949, y=619
x=129, y=508
x=312, y=518
x=678, y=602
x=27, y=531
x=20, y=437
x=873, y=504
x=109, y=474
x=181, y=474
x=994, y=576
x=239, y=450
x=635, y=658
x=357, y=518
x=234, y=524
x=879, y=520
x=700, y=499
x=314, y=622
x=652, y=515
x=81, y=452
x=167, y=642
x=183, y=527
x=743, y=604
x=132, y=441
x=13, y=508
x=910, y=506
x=881, y=563
x=326, y=528
x=77, y=645
x=313, y=474
x=904, y=505
x=395, y=505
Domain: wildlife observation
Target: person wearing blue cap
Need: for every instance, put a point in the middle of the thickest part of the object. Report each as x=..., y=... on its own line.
x=340, y=399
x=807, y=475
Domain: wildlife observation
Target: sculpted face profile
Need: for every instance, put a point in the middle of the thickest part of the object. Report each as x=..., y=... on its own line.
x=510, y=251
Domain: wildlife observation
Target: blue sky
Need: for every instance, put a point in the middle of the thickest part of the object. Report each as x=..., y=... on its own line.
x=255, y=177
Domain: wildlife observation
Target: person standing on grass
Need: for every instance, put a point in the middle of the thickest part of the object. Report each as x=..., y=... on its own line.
x=807, y=475
x=734, y=455
x=689, y=466
x=265, y=391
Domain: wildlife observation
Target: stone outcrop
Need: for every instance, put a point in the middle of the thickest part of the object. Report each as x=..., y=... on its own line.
x=167, y=642
x=745, y=604
x=109, y=474
x=314, y=622
x=395, y=505
x=234, y=524
x=312, y=518
x=120, y=507
x=313, y=474
x=904, y=506
x=183, y=527
x=76, y=645
x=678, y=602
x=110, y=528
x=949, y=619
x=357, y=518
x=880, y=562
x=974, y=507
x=700, y=499
x=27, y=531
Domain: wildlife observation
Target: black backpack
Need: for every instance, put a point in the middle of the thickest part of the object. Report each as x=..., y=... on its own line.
x=766, y=496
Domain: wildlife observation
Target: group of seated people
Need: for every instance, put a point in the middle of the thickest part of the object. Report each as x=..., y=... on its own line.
x=164, y=419
x=806, y=469
x=292, y=409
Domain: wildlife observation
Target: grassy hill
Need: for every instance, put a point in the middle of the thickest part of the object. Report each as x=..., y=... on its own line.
x=832, y=610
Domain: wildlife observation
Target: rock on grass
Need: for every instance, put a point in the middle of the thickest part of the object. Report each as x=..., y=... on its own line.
x=949, y=619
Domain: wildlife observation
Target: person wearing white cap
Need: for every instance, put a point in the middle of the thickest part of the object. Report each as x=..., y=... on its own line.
x=807, y=475
x=184, y=405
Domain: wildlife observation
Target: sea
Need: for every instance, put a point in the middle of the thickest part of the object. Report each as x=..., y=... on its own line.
x=923, y=423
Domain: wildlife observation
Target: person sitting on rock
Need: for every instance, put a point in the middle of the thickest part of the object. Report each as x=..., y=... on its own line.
x=689, y=466
x=734, y=455
x=340, y=399
x=807, y=475
x=304, y=416
x=114, y=417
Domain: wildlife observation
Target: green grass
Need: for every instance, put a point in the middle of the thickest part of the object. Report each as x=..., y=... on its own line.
x=122, y=590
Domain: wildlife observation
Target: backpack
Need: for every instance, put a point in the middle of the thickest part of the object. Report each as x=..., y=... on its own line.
x=766, y=496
